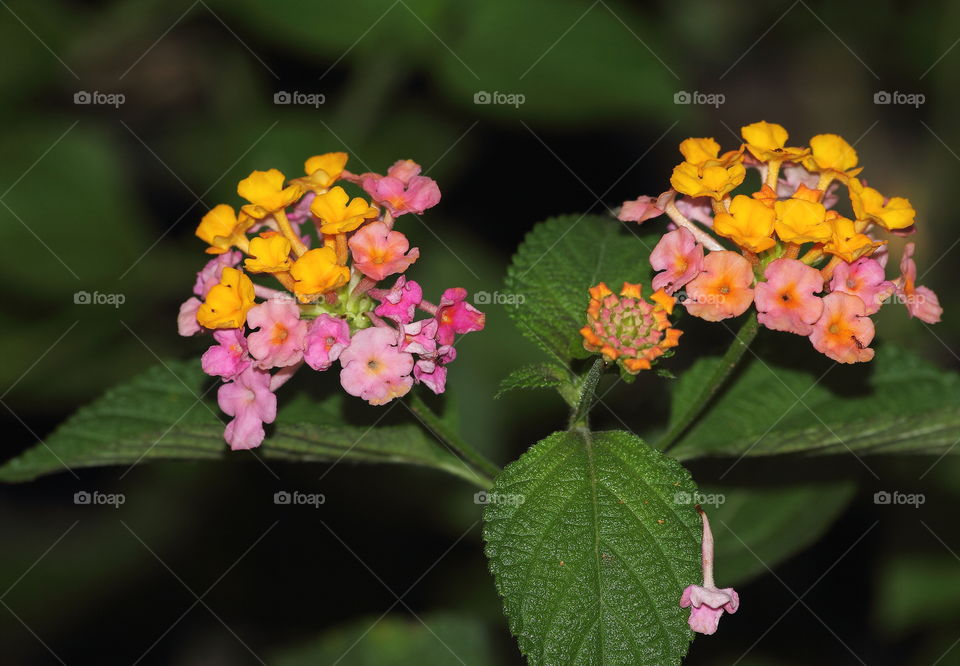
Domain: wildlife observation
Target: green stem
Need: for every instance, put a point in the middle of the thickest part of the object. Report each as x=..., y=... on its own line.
x=440, y=429
x=739, y=346
x=579, y=417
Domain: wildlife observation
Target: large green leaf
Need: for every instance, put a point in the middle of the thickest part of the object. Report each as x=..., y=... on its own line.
x=591, y=550
x=395, y=641
x=555, y=265
x=905, y=405
x=757, y=528
x=157, y=416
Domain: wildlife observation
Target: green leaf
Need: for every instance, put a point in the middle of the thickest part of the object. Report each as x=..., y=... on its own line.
x=541, y=375
x=395, y=641
x=558, y=261
x=157, y=416
x=904, y=405
x=591, y=551
x=756, y=528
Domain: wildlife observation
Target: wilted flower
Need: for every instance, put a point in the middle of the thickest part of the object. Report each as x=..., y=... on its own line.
x=707, y=602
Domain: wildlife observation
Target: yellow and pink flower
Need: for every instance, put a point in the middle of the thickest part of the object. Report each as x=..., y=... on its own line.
x=327, y=311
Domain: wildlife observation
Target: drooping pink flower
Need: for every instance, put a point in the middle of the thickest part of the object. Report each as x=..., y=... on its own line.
x=844, y=331
x=679, y=257
x=786, y=301
x=280, y=340
x=400, y=302
x=250, y=402
x=708, y=606
x=863, y=278
x=402, y=190
x=455, y=315
x=326, y=339
x=379, y=252
x=639, y=210
x=707, y=602
x=722, y=290
x=229, y=357
x=209, y=276
x=921, y=302
x=373, y=368
x=187, y=323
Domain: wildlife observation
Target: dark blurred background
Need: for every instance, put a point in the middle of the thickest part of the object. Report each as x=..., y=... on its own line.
x=104, y=197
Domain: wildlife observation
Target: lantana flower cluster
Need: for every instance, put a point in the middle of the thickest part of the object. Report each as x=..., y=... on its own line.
x=326, y=304
x=807, y=268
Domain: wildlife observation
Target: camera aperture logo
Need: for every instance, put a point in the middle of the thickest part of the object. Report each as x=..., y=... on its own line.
x=97, y=98
x=898, y=498
x=297, y=498
x=298, y=98
x=899, y=98
x=96, y=498
x=497, y=298
x=499, y=98
x=699, y=98
x=703, y=499
x=483, y=497
x=96, y=298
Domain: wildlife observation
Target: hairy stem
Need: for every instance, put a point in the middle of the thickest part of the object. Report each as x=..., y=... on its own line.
x=486, y=469
x=701, y=236
x=580, y=415
x=739, y=346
